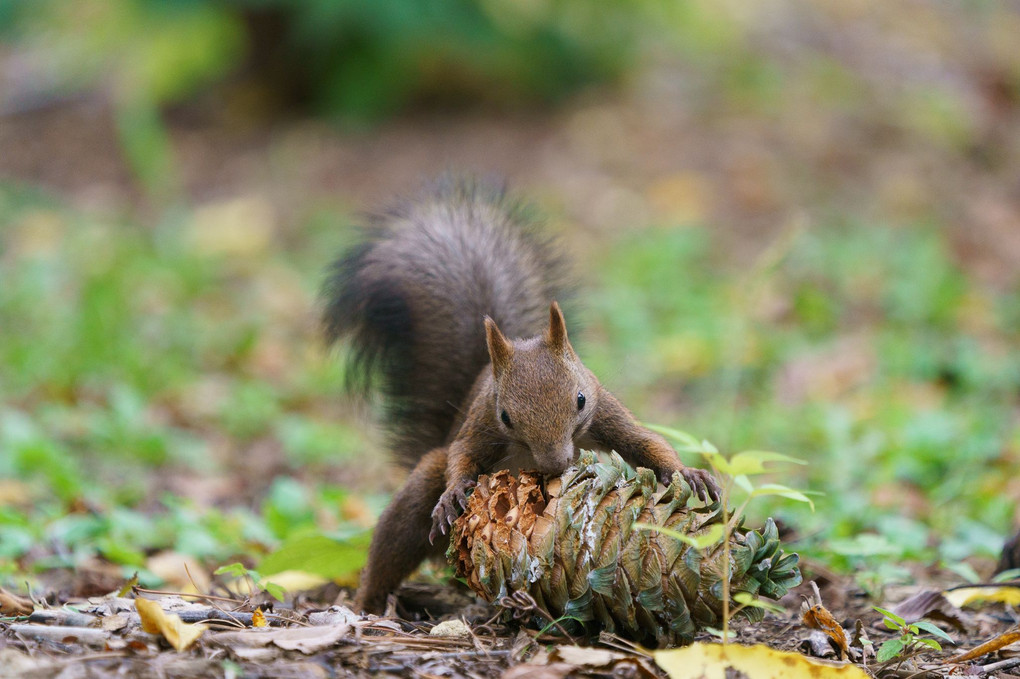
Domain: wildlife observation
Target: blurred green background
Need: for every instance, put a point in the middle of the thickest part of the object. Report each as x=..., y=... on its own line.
x=797, y=224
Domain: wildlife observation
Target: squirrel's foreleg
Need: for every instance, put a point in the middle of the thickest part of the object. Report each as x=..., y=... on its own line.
x=400, y=541
x=615, y=428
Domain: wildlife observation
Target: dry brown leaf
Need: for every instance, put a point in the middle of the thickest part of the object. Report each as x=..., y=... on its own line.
x=178, y=633
x=818, y=617
x=564, y=661
x=558, y=670
x=930, y=604
x=307, y=640
x=13, y=604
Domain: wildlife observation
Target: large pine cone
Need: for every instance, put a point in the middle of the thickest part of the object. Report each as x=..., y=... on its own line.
x=572, y=546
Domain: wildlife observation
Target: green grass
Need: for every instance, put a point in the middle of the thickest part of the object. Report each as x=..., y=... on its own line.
x=130, y=355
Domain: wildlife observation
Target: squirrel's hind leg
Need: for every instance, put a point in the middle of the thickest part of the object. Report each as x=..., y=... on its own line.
x=401, y=538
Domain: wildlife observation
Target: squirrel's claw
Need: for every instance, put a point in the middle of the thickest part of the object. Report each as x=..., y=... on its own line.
x=702, y=483
x=446, y=510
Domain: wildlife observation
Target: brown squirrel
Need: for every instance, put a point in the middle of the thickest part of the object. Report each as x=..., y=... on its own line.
x=428, y=301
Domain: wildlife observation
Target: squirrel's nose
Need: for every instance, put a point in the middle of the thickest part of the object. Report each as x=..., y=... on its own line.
x=554, y=459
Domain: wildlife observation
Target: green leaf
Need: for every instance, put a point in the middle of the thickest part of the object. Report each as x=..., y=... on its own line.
x=749, y=600
x=319, y=554
x=891, y=616
x=966, y=571
x=687, y=443
x=744, y=483
x=753, y=461
x=889, y=650
x=933, y=629
x=783, y=491
x=710, y=537
x=1006, y=576
x=235, y=570
x=275, y=590
x=929, y=642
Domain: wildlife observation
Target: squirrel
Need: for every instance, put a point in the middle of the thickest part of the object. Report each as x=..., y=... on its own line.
x=450, y=308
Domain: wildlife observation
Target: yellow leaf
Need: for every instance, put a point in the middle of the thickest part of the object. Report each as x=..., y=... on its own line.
x=297, y=581
x=711, y=661
x=684, y=197
x=258, y=618
x=154, y=621
x=179, y=572
x=971, y=595
x=239, y=227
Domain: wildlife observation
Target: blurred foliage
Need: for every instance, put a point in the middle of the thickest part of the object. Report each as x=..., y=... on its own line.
x=132, y=357
x=355, y=61
x=125, y=351
x=867, y=350
x=358, y=58
x=160, y=385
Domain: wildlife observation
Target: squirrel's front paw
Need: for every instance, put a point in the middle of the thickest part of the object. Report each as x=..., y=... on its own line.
x=702, y=483
x=452, y=502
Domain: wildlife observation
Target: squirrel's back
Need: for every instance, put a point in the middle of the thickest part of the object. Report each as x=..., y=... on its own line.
x=412, y=296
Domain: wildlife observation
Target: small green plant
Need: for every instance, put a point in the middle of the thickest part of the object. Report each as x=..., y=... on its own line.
x=735, y=474
x=909, y=643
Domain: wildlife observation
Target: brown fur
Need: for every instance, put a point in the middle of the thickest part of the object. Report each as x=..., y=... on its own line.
x=501, y=276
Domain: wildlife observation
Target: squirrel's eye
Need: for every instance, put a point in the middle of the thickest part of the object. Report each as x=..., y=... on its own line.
x=506, y=419
x=580, y=401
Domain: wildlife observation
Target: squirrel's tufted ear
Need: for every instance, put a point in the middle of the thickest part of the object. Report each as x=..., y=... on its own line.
x=500, y=348
x=556, y=335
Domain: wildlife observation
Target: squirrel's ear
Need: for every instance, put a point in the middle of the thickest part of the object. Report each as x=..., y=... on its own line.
x=556, y=335
x=500, y=348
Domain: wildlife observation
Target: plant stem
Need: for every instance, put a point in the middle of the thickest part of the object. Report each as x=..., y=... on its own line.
x=726, y=562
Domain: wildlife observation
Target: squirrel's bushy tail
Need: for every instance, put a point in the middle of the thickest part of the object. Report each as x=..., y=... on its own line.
x=411, y=298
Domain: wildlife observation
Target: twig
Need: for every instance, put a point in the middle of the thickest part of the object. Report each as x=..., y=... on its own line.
x=999, y=666
x=210, y=597
x=974, y=585
x=96, y=656
x=521, y=603
x=623, y=645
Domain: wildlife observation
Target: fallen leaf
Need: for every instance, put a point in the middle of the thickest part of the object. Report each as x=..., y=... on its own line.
x=180, y=572
x=716, y=661
x=12, y=604
x=179, y=634
x=451, y=628
x=583, y=655
x=930, y=604
x=307, y=640
x=297, y=581
x=258, y=618
x=965, y=596
x=568, y=661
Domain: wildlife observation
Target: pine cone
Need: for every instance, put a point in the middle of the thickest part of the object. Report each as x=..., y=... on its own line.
x=571, y=545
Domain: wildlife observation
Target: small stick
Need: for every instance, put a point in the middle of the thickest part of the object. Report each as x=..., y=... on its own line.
x=1001, y=665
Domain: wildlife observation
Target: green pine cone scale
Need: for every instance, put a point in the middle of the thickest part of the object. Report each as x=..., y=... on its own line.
x=570, y=543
